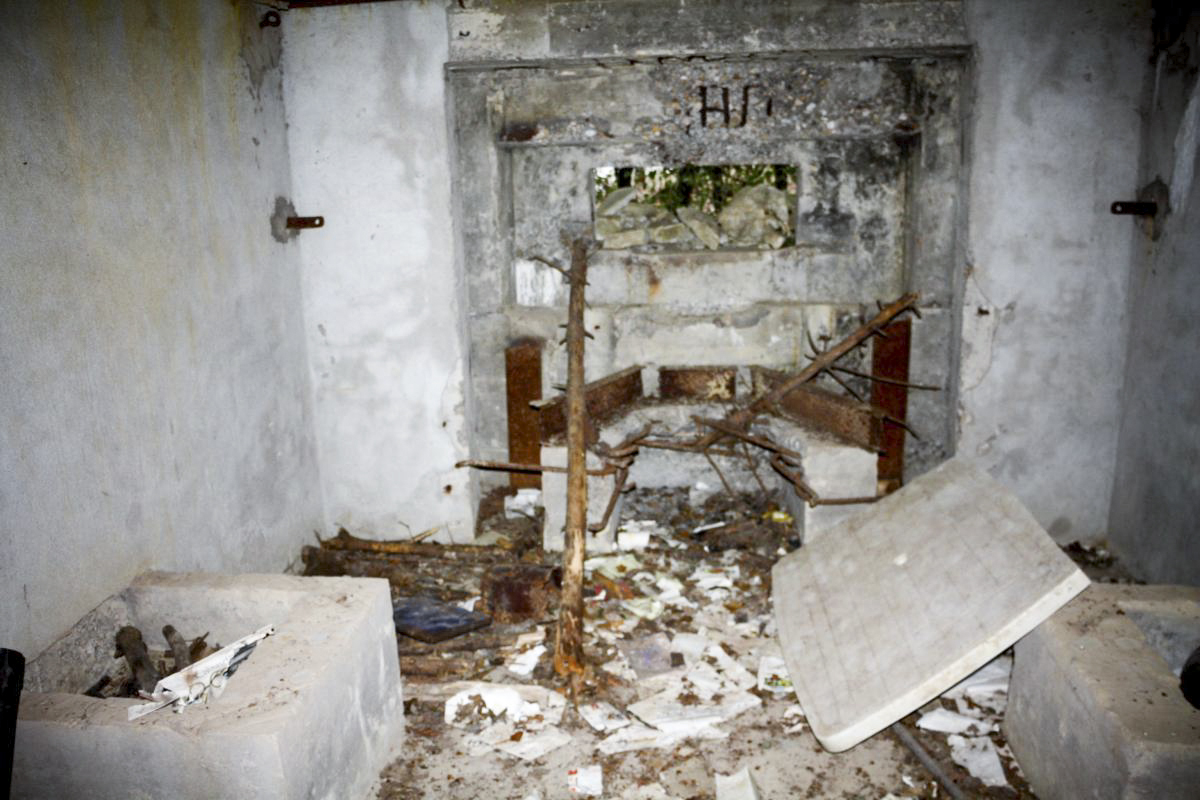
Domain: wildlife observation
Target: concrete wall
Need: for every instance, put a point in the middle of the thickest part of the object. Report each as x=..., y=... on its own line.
x=155, y=399
x=1056, y=140
x=1156, y=495
x=368, y=140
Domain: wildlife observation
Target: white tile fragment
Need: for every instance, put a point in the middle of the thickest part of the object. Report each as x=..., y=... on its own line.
x=944, y=721
x=978, y=756
x=738, y=786
x=524, y=663
x=603, y=716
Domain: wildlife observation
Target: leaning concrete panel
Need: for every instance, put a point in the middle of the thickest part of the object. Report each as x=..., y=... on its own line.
x=896, y=604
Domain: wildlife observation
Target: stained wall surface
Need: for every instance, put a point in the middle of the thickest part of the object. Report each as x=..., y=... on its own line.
x=1056, y=135
x=155, y=396
x=367, y=131
x=1156, y=494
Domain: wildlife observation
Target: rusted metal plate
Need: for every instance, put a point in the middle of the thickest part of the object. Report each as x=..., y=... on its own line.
x=520, y=592
x=523, y=385
x=854, y=422
x=697, y=383
x=889, y=359
x=604, y=400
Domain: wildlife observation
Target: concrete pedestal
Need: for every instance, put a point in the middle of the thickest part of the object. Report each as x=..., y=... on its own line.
x=1095, y=708
x=834, y=470
x=315, y=712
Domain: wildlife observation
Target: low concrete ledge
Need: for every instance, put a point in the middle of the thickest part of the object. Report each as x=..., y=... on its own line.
x=315, y=712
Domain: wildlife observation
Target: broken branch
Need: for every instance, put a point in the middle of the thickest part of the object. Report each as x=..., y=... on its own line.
x=568, y=645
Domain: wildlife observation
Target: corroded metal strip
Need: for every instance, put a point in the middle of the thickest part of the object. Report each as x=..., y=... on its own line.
x=854, y=422
x=889, y=360
x=523, y=385
x=604, y=399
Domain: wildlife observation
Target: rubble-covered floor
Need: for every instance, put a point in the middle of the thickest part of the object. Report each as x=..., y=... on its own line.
x=681, y=634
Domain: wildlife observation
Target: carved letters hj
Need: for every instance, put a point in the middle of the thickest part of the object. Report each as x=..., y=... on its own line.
x=710, y=105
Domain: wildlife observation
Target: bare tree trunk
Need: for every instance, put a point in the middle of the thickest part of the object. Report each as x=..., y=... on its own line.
x=568, y=649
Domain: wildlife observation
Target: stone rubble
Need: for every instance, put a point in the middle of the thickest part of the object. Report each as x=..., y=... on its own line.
x=756, y=217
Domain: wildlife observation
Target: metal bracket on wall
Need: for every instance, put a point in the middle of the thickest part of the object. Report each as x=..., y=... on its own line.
x=1135, y=207
x=1149, y=210
x=297, y=223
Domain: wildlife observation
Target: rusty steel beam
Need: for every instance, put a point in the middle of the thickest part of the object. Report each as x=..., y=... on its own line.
x=857, y=423
x=603, y=399
x=889, y=363
x=523, y=385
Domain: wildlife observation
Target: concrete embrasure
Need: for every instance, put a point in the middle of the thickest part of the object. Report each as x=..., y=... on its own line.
x=896, y=604
x=1095, y=708
x=316, y=711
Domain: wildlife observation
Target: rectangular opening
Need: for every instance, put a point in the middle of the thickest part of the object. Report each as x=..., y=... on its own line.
x=695, y=207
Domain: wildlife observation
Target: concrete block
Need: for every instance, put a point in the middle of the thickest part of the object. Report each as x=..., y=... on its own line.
x=760, y=334
x=316, y=711
x=1094, y=706
x=554, y=500
x=833, y=469
x=900, y=602
x=714, y=283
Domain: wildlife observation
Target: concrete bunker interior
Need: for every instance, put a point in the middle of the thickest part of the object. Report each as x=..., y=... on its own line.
x=198, y=388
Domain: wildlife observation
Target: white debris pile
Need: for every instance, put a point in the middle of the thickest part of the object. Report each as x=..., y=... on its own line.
x=689, y=634
x=520, y=721
x=979, y=701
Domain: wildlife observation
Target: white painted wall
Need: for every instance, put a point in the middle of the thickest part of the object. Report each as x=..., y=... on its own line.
x=369, y=146
x=155, y=401
x=1056, y=139
x=1156, y=494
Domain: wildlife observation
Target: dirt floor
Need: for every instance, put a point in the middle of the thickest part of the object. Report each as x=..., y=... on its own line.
x=688, y=619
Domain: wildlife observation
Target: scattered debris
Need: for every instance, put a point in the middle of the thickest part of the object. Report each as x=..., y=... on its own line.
x=978, y=756
x=773, y=675
x=203, y=680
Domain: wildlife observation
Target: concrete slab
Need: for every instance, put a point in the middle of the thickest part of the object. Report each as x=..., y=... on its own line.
x=900, y=602
x=316, y=711
x=1095, y=708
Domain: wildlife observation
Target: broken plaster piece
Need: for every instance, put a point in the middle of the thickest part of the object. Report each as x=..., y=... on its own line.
x=633, y=540
x=603, y=716
x=532, y=745
x=524, y=663
x=980, y=574
x=738, y=786
x=514, y=702
x=978, y=756
x=944, y=721
x=614, y=568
